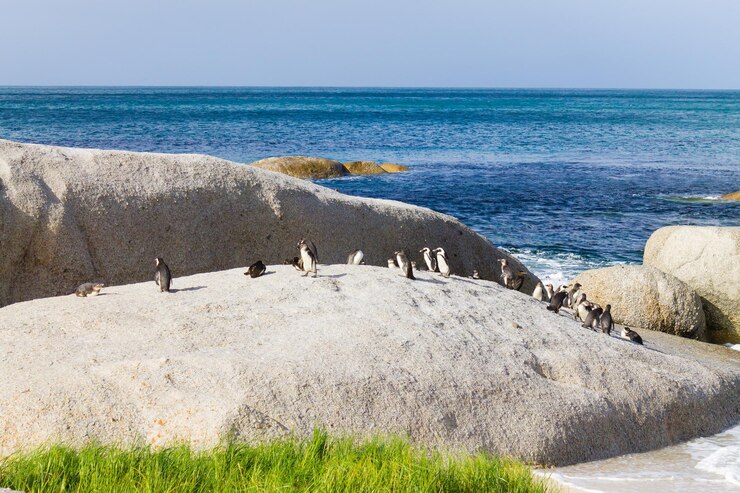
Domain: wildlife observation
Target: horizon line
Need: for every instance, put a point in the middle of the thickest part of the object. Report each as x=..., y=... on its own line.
x=214, y=86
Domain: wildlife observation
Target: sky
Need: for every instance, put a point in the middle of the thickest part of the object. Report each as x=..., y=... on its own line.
x=389, y=43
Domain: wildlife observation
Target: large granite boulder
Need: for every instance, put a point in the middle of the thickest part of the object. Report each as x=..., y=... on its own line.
x=361, y=350
x=708, y=260
x=731, y=196
x=647, y=298
x=69, y=216
x=363, y=168
x=310, y=168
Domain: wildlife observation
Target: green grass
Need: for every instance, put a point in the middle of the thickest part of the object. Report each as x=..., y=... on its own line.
x=318, y=464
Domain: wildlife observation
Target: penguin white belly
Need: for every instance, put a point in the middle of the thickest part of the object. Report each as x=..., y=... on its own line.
x=538, y=294
x=444, y=267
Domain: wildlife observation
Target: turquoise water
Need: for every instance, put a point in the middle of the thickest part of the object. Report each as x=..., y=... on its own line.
x=565, y=179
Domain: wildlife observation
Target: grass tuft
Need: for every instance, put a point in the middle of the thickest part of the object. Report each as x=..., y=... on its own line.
x=317, y=464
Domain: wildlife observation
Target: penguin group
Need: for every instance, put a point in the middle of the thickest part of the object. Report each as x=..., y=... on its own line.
x=591, y=314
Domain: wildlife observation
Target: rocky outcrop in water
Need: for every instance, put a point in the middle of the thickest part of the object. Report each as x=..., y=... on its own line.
x=647, y=298
x=69, y=216
x=363, y=168
x=449, y=362
x=311, y=168
x=708, y=260
x=731, y=196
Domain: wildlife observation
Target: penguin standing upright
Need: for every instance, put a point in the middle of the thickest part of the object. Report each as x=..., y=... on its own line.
x=549, y=292
x=163, y=277
x=556, y=302
x=355, y=258
x=507, y=274
x=405, y=264
x=539, y=292
x=443, y=263
x=574, y=292
x=592, y=318
x=429, y=259
x=605, y=320
x=308, y=257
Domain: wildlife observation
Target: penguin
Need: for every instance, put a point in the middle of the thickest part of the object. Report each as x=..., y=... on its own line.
x=355, y=258
x=88, y=289
x=443, y=263
x=574, y=291
x=404, y=264
x=519, y=280
x=556, y=302
x=507, y=274
x=580, y=297
x=392, y=263
x=308, y=258
x=256, y=269
x=163, y=277
x=296, y=262
x=582, y=308
x=311, y=247
x=592, y=319
x=605, y=320
x=539, y=292
x=633, y=336
x=429, y=259
x=475, y=275
x=549, y=292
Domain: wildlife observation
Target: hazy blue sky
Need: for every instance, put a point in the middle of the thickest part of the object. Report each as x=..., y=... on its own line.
x=482, y=43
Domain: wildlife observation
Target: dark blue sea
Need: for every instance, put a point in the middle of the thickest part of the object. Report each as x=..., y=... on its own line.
x=565, y=179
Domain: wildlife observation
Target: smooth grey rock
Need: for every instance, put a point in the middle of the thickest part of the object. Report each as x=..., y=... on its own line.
x=707, y=258
x=69, y=216
x=647, y=298
x=449, y=362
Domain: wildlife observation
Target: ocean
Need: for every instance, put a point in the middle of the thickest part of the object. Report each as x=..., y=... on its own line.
x=566, y=180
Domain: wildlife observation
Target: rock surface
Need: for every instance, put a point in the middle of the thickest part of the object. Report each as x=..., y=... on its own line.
x=732, y=196
x=363, y=168
x=360, y=350
x=394, y=168
x=646, y=297
x=708, y=260
x=69, y=216
x=311, y=168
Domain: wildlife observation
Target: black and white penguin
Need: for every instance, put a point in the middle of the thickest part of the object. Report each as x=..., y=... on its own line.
x=308, y=258
x=355, y=258
x=572, y=294
x=519, y=280
x=556, y=302
x=633, y=336
x=507, y=274
x=443, y=263
x=429, y=259
x=582, y=308
x=539, y=292
x=311, y=247
x=392, y=264
x=605, y=320
x=592, y=318
x=475, y=275
x=404, y=264
x=163, y=277
x=88, y=289
x=256, y=269
x=549, y=291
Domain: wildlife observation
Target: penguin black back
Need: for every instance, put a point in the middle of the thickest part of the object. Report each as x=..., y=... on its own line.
x=605, y=320
x=163, y=277
x=256, y=269
x=556, y=302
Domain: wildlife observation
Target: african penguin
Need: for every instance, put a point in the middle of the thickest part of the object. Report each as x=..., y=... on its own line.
x=507, y=274
x=429, y=259
x=475, y=275
x=549, y=292
x=592, y=318
x=404, y=264
x=574, y=291
x=633, y=336
x=556, y=302
x=392, y=264
x=256, y=269
x=355, y=258
x=163, y=277
x=443, y=263
x=539, y=292
x=605, y=320
x=308, y=258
